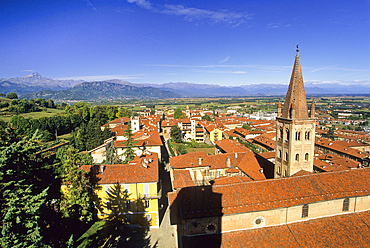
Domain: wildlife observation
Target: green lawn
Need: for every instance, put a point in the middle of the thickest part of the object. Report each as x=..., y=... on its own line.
x=34, y=115
x=208, y=150
x=94, y=236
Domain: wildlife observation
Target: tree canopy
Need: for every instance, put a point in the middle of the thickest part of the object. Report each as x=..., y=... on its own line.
x=178, y=114
x=12, y=95
x=176, y=134
x=24, y=186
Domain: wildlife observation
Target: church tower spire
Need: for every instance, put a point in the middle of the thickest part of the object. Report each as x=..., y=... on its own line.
x=296, y=94
x=295, y=129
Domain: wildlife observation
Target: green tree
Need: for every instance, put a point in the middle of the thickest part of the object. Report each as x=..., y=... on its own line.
x=330, y=134
x=117, y=197
x=123, y=112
x=12, y=95
x=176, y=134
x=181, y=149
x=178, y=114
x=246, y=126
x=2, y=95
x=23, y=193
x=111, y=154
x=129, y=152
x=207, y=118
x=75, y=201
x=193, y=143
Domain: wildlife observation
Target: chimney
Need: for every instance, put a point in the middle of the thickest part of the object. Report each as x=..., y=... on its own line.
x=200, y=161
x=261, y=170
x=236, y=155
x=228, y=162
x=279, y=110
x=102, y=167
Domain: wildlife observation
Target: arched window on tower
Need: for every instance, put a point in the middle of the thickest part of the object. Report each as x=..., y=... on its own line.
x=306, y=156
x=307, y=135
x=297, y=157
x=279, y=153
x=298, y=136
x=287, y=134
x=281, y=133
x=286, y=156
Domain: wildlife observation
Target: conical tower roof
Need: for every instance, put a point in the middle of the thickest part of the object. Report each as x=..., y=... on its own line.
x=296, y=96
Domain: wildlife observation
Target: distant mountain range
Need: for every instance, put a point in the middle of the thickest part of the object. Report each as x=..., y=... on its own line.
x=36, y=86
x=89, y=91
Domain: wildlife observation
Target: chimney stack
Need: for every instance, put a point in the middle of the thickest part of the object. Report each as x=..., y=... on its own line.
x=200, y=161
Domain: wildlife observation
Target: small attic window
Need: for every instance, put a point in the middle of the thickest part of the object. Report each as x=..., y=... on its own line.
x=305, y=211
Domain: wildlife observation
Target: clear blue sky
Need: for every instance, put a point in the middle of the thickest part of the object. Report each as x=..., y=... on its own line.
x=230, y=42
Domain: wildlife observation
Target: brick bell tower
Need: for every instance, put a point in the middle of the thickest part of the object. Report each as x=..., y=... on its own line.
x=295, y=129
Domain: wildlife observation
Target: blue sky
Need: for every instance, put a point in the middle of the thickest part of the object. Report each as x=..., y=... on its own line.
x=230, y=42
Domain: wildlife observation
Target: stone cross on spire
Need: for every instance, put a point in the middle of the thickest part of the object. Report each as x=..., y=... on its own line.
x=295, y=105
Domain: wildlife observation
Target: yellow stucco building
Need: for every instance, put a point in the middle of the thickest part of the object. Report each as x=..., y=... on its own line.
x=129, y=190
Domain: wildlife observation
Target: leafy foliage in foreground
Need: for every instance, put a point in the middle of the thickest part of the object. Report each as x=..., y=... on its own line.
x=24, y=187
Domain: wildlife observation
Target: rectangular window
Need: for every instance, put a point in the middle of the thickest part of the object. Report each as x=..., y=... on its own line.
x=127, y=188
x=305, y=211
x=345, y=205
x=146, y=189
x=107, y=189
x=108, y=205
x=128, y=204
x=147, y=203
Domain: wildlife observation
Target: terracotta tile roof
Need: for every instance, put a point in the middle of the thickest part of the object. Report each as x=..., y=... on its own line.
x=267, y=155
x=143, y=137
x=182, y=179
x=232, y=170
x=119, y=130
x=133, y=172
x=301, y=173
x=231, y=146
x=120, y=120
x=332, y=162
x=266, y=140
x=332, y=145
x=245, y=161
x=348, y=230
x=272, y=194
x=231, y=180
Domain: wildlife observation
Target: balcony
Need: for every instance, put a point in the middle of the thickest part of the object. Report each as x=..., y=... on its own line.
x=151, y=196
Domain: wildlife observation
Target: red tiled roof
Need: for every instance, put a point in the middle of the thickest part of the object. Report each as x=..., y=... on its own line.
x=120, y=120
x=182, y=179
x=206, y=201
x=143, y=137
x=245, y=161
x=328, y=144
x=231, y=146
x=231, y=180
x=347, y=230
x=133, y=172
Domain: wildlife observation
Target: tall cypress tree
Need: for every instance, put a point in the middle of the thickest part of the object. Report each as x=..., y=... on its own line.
x=23, y=192
x=75, y=201
x=129, y=153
